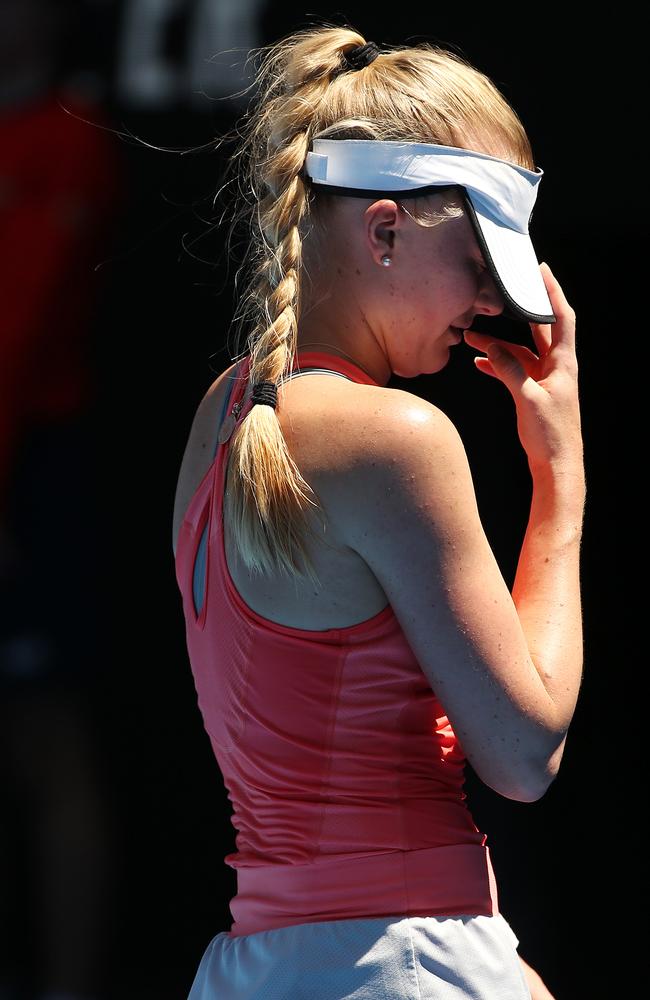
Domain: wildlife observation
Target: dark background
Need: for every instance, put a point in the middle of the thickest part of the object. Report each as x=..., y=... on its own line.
x=566, y=864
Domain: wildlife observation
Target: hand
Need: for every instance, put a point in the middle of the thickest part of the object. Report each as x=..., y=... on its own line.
x=544, y=386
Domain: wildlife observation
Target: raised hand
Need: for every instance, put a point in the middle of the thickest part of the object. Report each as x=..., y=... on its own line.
x=544, y=386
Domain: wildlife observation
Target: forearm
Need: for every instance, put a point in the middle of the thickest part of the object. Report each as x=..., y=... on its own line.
x=546, y=590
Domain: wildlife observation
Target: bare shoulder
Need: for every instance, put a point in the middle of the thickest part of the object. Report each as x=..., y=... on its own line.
x=378, y=445
x=348, y=427
x=407, y=486
x=364, y=449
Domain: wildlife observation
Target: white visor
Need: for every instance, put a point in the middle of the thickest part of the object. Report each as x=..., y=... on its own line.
x=499, y=197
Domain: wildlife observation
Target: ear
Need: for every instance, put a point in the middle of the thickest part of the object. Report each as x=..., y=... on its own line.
x=381, y=220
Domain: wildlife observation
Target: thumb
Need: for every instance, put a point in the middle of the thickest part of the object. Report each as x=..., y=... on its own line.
x=505, y=365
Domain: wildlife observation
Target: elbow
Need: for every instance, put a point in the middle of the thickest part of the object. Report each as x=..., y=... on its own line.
x=532, y=785
x=540, y=778
x=528, y=792
x=533, y=792
x=551, y=767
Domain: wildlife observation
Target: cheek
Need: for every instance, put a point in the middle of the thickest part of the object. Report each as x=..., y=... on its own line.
x=421, y=287
x=460, y=291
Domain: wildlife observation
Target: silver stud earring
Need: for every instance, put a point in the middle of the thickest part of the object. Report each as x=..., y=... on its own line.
x=386, y=260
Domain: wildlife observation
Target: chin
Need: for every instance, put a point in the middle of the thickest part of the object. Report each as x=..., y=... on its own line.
x=440, y=358
x=433, y=355
x=414, y=373
x=439, y=363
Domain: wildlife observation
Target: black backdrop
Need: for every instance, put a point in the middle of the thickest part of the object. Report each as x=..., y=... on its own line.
x=564, y=863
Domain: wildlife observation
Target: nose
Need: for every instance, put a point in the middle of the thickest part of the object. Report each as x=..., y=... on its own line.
x=489, y=300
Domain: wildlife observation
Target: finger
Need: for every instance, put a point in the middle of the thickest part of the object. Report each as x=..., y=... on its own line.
x=508, y=367
x=480, y=340
x=523, y=354
x=563, y=330
x=541, y=333
x=485, y=365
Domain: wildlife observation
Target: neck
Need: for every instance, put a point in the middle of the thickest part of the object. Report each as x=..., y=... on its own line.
x=370, y=360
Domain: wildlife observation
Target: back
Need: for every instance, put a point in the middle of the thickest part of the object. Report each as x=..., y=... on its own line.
x=343, y=770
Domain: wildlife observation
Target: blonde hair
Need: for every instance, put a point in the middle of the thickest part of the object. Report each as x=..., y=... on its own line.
x=304, y=89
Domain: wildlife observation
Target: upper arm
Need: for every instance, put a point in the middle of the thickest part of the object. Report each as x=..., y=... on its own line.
x=411, y=513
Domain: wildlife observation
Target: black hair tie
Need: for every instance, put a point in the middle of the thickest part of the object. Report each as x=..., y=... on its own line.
x=265, y=392
x=361, y=55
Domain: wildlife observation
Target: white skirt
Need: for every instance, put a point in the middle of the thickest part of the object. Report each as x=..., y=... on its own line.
x=384, y=958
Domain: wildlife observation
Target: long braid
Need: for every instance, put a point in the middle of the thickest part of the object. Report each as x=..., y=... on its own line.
x=261, y=470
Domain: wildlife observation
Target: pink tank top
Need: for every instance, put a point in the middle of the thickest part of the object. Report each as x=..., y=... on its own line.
x=343, y=771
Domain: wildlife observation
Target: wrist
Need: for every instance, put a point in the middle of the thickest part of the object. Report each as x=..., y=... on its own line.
x=566, y=471
x=558, y=504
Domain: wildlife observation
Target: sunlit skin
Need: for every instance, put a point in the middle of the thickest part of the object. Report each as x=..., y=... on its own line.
x=393, y=319
x=396, y=319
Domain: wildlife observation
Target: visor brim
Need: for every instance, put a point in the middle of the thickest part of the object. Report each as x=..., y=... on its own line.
x=513, y=263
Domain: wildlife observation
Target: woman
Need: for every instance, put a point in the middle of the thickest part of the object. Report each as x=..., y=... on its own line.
x=351, y=637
